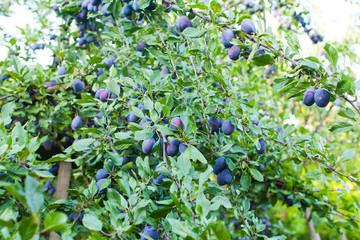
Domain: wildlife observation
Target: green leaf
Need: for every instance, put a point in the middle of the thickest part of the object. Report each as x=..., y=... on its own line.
x=144, y=134
x=245, y=181
x=263, y=60
x=193, y=32
x=83, y=144
x=332, y=55
x=92, y=222
x=220, y=231
x=348, y=155
x=256, y=175
x=6, y=111
x=196, y=154
x=215, y=6
x=314, y=174
x=27, y=228
x=142, y=4
x=309, y=64
x=180, y=3
x=55, y=221
x=341, y=127
x=293, y=41
x=34, y=194
x=164, y=129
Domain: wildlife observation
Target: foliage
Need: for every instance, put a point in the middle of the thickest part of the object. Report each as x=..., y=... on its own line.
x=143, y=148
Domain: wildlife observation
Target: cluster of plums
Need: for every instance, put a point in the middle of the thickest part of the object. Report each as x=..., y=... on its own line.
x=49, y=188
x=321, y=97
x=221, y=170
x=248, y=27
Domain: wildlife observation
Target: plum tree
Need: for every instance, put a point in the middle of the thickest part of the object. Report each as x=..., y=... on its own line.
x=156, y=105
x=322, y=97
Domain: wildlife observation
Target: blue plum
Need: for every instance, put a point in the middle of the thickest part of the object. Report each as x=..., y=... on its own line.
x=322, y=97
x=309, y=97
x=227, y=35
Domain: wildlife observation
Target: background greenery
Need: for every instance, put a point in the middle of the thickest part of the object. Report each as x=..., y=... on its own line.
x=310, y=165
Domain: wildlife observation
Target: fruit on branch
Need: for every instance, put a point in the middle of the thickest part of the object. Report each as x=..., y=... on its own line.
x=262, y=148
x=182, y=148
x=98, y=184
x=182, y=23
x=224, y=177
x=214, y=124
x=270, y=70
x=164, y=71
x=104, y=95
x=147, y=145
x=140, y=47
x=322, y=97
x=132, y=117
x=101, y=174
x=220, y=165
x=173, y=147
x=75, y=216
x=337, y=102
x=308, y=97
x=78, y=85
x=234, y=52
x=227, y=35
x=76, y=123
x=127, y=10
x=176, y=122
x=110, y=61
x=47, y=145
x=248, y=26
x=316, y=38
x=160, y=179
x=149, y=231
x=227, y=127
x=61, y=71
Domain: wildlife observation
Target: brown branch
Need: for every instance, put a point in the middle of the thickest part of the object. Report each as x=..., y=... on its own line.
x=349, y=176
x=345, y=215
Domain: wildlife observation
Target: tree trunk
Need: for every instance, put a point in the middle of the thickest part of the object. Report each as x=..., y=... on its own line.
x=310, y=225
x=62, y=186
